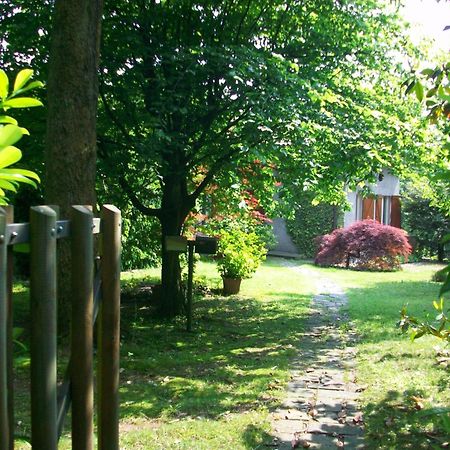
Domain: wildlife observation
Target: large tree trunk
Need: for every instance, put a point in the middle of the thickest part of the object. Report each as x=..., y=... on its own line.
x=172, y=292
x=175, y=207
x=72, y=109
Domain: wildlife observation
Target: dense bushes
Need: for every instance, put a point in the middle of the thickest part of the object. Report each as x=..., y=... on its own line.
x=311, y=221
x=364, y=245
x=426, y=224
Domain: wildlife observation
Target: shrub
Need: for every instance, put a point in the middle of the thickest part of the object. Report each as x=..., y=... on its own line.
x=440, y=276
x=311, y=220
x=426, y=224
x=364, y=245
x=240, y=253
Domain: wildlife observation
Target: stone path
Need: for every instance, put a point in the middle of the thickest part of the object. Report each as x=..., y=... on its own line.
x=320, y=410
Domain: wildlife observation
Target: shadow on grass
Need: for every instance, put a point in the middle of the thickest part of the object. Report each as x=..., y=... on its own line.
x=255, y=437
x=400, y=421
x=231, y=363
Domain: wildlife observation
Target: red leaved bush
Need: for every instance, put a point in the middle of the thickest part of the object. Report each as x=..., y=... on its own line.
x=364, y=245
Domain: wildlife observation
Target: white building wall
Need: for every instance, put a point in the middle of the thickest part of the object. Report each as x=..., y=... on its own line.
x=389, y=185
x=350, y=216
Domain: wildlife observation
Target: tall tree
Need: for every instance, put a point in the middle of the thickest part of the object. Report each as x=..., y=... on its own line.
x=194, y=89
x=70, y=157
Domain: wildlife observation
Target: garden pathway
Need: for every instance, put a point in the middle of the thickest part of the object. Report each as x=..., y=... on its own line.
x=320, y=409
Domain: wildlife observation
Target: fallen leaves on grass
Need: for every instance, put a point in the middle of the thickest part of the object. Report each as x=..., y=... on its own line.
x=418, y=402
x=358, y=419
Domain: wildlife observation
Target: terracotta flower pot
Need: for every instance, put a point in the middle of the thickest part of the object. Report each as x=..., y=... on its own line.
x=231, y=285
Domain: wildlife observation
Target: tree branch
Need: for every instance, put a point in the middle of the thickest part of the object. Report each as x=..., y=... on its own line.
x=154, y=212
x=110, y=113
x=236, y=39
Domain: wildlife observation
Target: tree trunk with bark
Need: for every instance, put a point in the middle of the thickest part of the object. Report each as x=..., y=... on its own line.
x=70, y=158
x=175, y=207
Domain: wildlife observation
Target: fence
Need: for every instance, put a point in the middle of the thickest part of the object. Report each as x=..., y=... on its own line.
x=90, y=294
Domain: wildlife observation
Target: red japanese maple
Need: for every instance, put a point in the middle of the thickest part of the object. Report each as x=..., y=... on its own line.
x=364, y=245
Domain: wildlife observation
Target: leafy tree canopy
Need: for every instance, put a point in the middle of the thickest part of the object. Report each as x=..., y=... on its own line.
x=192, y=91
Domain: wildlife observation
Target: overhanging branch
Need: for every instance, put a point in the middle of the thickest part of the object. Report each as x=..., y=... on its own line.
x=154, y=212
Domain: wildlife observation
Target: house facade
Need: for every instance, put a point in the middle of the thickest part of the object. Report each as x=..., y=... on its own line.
x=383, y=206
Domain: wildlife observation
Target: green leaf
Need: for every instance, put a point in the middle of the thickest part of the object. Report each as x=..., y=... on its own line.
x=419, y=91
x=24, y=172
x=410, y=87
x=4, y=84
x=17, y=178
x=17, y=332
x=442, y=95
x=8, y=185
x=8, y=119
x=29, y=87
x=22, y=102
x=436, y=305
x=431, y=92
x=9, y=135
x=9, y=155
x=427, y=72
x=417, y=334
x=444, y=240
x=22, y=77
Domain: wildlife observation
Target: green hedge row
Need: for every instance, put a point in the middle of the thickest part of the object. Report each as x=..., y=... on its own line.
x=311, y=221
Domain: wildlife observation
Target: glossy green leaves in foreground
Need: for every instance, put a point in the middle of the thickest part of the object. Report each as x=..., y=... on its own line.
x=11, y=132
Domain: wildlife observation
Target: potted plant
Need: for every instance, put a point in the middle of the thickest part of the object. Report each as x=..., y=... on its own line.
x=239, y=256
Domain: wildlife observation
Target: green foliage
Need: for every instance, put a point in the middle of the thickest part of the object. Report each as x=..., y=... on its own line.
x=311, y=220
x=140, y=241
x=432, y=85
x=141, y=235
x=240, y=253
x=425, y=223
x=439, y=276
x=439, y=327
x=10, y=132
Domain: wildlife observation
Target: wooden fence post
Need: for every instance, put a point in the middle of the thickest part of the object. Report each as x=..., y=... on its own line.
x=109, y=331
x=43, y=328
x=81, y=367
x=9, y=288
x=4, y=414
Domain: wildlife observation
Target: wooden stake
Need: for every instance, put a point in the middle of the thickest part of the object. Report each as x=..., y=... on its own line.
x=109, y=331
x=81, y=367
x=43, y=328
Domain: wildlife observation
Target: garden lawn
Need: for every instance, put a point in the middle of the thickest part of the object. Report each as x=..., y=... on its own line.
x=404, y=380
x=212, y=388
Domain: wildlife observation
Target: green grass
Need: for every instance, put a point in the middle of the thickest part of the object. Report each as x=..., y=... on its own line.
x=213, y=388
x=396, y=371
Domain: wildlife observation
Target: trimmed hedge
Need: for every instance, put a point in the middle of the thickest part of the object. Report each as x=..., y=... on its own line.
x=311, y=221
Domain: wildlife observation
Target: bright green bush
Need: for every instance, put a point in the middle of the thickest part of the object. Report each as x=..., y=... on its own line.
x=11, y=132
x=240, y=253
